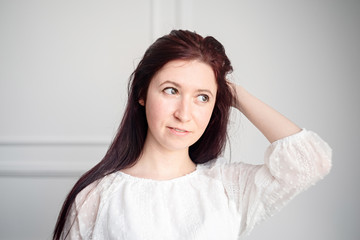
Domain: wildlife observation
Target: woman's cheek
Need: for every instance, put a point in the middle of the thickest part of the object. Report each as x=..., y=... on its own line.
x=204, y=117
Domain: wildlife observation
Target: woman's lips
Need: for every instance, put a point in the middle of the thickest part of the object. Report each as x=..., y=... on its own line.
x=178, y=131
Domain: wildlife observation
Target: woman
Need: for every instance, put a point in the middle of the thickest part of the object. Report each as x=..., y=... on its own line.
x=163, y=177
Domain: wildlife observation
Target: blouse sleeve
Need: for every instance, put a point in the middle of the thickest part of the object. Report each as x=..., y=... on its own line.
x=83, y=214
x=292, y=164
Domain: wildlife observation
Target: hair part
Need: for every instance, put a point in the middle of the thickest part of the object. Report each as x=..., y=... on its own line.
x=128, y=143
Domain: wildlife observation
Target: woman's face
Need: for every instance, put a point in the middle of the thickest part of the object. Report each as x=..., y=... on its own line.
x=179, y=103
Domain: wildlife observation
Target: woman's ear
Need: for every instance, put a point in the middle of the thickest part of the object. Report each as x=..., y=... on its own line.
x=141, y=102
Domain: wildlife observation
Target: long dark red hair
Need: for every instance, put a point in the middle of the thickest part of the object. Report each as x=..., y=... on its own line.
x=130, y=138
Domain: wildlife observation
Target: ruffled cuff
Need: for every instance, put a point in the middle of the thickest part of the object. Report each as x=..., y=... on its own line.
x=299, y=160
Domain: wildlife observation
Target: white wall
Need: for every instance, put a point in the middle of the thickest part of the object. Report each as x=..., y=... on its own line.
x=64, y=67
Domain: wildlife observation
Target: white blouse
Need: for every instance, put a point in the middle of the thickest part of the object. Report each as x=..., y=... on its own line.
x=218, y=200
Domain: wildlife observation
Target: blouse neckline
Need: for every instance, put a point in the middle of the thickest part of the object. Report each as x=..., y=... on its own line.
x=150, y=180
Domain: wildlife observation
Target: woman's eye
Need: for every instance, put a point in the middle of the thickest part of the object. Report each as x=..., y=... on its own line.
x=171, y=91
x=203, y=98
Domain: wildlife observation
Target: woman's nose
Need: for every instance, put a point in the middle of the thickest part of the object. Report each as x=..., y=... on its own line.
x=183, y=110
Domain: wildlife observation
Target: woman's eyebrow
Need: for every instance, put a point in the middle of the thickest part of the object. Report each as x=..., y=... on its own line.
x=171, y=82
x=179, y=86
x=205, y=90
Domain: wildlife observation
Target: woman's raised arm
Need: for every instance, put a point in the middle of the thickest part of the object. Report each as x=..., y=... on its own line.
x=271, y=123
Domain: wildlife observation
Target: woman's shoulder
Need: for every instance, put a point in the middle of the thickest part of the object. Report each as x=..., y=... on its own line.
x=222, y=163
x=97, y=190
x=223, y=169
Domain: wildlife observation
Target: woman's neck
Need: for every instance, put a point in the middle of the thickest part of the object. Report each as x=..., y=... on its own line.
x=159, y=164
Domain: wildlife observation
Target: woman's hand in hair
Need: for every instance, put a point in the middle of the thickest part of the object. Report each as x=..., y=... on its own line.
x=271, y=123
x=235, y=103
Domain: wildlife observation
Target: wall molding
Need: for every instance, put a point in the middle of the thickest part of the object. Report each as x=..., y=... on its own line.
x=23, y=168
x=50, y=156
x=61, y=141
x=170, y=14
x=185, y=14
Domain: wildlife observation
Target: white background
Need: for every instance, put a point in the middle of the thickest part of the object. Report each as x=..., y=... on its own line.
x=64, y=67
